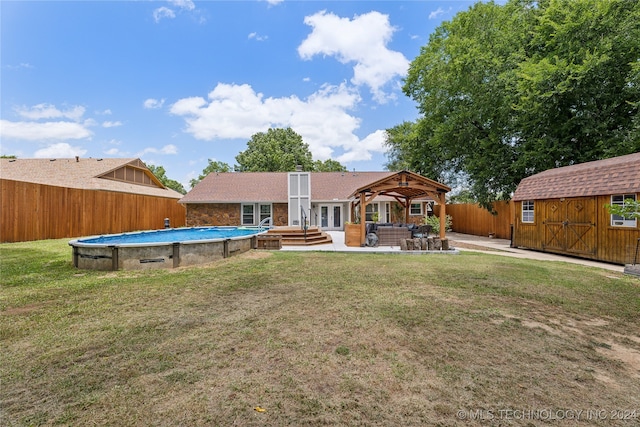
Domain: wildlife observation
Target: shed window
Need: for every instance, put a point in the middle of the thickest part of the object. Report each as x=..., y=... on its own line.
x=621, y=221
x=527, y=211
x=416, y=209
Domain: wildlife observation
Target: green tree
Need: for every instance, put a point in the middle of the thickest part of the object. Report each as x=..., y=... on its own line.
x=212, y=166
x=328, y=166
x=277, y=150
x=506, y=91
x=8, y=156
x=630, y=209
x=161, y=174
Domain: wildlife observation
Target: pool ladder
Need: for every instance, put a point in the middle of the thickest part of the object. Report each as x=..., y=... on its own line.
x=264, y=221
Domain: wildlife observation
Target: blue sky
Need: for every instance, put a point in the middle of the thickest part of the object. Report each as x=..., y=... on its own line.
x=179, y=82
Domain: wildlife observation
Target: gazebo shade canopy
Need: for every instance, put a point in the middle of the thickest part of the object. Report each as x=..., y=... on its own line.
x=405, y=185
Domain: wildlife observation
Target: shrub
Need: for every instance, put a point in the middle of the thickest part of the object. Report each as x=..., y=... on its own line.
x=434, y=222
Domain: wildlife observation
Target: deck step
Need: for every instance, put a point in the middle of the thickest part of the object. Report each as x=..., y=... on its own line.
x=295, y=236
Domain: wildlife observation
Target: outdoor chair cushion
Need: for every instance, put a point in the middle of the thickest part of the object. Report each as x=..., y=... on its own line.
x=391, y=236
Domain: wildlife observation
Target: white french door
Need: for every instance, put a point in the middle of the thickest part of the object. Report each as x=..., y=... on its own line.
x=331, y=217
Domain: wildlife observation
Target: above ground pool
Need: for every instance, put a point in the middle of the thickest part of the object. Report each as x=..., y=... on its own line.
x=168, y=248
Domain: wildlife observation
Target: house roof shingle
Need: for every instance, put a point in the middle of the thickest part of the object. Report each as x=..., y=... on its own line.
x=236, y=187
x=83, y=173
x=617, y=175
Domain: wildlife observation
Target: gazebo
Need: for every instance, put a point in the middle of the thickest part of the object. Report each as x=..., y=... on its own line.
x=404, y=187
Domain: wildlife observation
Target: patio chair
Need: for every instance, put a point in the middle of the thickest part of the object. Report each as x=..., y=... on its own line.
x=422, y=231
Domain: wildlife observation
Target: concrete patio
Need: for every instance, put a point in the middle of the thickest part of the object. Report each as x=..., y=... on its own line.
x=460, y=243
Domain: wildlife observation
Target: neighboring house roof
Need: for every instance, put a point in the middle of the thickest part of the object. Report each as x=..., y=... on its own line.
x=108, y=174
x=617, y=175
x=237, y=187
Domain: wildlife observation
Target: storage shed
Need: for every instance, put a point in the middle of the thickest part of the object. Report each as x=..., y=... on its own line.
x=58, y=198
x=564, y=211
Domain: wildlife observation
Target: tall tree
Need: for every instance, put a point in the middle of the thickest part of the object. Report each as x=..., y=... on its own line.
x=277, y=150
x=212, y=166
x=161, y=174
x=506, y=91
x=328, y=166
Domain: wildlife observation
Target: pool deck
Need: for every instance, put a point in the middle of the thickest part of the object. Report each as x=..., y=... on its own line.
x=475, y=243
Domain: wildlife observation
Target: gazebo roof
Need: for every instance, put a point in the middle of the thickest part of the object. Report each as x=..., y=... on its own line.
x=403, y=185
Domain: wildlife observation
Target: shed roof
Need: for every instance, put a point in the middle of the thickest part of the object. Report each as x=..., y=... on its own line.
x=235, y=187
x=617, y=175
x=86, y=174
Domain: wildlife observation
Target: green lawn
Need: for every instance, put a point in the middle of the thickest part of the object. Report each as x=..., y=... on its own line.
x=317, y=339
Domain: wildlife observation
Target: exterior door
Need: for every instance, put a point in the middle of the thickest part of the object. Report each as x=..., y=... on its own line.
x=569, y=225
x=331, y=217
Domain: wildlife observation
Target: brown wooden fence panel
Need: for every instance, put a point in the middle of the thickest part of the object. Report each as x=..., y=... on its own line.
x=475, y=220
x=36, y=212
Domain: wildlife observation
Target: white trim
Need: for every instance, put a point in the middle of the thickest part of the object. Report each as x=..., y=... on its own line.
x=620, y=221
x=420, y=204
x=530, y=211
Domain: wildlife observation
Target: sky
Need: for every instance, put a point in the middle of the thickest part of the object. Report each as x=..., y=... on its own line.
x=178, y=83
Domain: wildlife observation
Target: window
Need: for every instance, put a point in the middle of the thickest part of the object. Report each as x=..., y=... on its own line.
x=527, y=211
x=370, y=210
x=265, y=212
x=248, y=214
x=621, y=221
x=416, y=209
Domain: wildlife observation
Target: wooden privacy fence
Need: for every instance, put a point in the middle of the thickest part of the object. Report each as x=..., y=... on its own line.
x=473, y=219
x=36, y=212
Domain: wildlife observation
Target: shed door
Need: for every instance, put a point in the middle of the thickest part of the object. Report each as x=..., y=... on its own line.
x=570, y=225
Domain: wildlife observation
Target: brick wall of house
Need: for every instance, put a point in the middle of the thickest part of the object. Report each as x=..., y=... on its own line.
x=227, y=214
x=203, y=214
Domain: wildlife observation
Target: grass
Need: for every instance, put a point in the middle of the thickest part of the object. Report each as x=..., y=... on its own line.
x=315, y=339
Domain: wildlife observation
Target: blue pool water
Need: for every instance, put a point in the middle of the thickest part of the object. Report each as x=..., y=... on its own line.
x=173, y=235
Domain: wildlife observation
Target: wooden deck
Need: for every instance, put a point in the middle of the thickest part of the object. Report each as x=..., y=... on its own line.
x=295, y=236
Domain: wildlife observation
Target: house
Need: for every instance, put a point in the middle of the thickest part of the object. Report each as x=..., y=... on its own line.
x=563, y=210
x=57, y=198
x=324, y=199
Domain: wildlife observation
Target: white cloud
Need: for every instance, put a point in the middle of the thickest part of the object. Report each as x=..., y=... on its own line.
x=176, y=5
x=363, y=41
x=163, y=12
x=183, y=4
x=167, y=149
x=22, y=65
x=59, y=150
x=238, y=112
x=35, y=131
x=153, y=103
x=274, y=2
x=257, y=37
x=109, y=124
x=438, y=12
x=362, y=150
x=48, y=111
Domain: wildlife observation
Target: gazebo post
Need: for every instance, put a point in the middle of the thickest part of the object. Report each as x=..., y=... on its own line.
x=443, y=214
x=363, y=217
x=407, y=208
